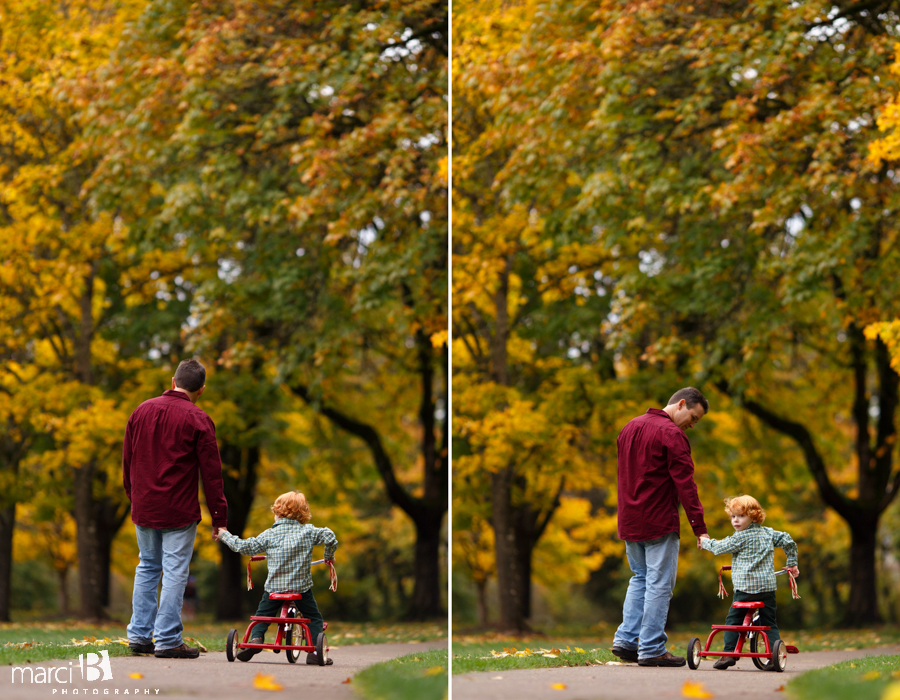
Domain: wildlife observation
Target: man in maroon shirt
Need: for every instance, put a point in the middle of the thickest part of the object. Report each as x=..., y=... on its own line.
x=655, y=473
x=169, y=442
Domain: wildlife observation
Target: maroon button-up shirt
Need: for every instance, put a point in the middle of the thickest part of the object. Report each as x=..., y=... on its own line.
x=169, y=442
x=655, y=471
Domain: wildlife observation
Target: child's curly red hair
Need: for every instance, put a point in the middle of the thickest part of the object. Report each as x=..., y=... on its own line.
x=745, y=505
x=292, y=505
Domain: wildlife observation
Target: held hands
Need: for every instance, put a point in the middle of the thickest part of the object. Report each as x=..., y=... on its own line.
x=704, y=536
x=217, y=533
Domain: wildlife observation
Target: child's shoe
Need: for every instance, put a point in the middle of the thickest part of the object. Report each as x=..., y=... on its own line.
x=725, y=662
x=247, y=654
x=313, y=660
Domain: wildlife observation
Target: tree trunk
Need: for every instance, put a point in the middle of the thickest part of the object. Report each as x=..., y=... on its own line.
x=862, y=608
x=510, y=586
x=426, y=600
x=7, y=526
x=239, y=476
x=62, y=596
x=481, y=588
x=90, y=574
x=108, y=516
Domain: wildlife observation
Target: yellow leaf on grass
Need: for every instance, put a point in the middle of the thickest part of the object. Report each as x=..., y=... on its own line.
x=695, y=690
x=871, y=675
x=135, y=675
x=264, y=682
x=434, y=671
x=579, y=650
x=558, y=686
x=892, y=692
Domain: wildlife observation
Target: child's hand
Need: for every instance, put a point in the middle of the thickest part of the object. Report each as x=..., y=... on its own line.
x=702, y=537
x=221, y=531
x=795, y=571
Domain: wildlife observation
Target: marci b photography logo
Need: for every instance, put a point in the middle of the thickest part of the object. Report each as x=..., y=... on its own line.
x=93, y=667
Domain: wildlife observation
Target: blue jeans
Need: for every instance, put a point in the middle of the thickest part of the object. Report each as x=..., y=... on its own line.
x=654, y=564
x=165, y=553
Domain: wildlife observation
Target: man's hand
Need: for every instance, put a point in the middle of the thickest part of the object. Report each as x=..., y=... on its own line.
x=795, y=571
x=217, y=532
x=704, y=536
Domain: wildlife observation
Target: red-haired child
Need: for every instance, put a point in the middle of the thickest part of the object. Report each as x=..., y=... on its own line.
x=752, y=549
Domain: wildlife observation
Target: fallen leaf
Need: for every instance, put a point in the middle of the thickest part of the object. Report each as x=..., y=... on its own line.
x=434, y=671
x=579, y=650
x=346, y=681
x=550, y=656
x=892, y=692
x=496, y=678
x=263, y=682
x=558, y=686
x=871, y=675
x=695, y=690
x=135, y=675
x=614, y=663
x=780, y=688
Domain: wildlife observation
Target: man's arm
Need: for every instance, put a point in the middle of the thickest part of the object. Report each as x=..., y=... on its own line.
x=681, y=469
x=211, y=474
x=126, y=460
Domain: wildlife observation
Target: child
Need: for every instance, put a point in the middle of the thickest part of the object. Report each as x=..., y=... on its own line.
x=288, y=546
x=752, y=566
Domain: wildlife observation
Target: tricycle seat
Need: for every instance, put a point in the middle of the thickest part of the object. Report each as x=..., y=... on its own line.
x=741, y=604
x=289, y=595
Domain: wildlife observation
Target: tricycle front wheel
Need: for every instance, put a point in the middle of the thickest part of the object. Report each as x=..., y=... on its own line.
x=693, y=653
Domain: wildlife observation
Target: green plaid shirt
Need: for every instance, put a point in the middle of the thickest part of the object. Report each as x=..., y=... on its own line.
x=753, y=556
x=288, y=546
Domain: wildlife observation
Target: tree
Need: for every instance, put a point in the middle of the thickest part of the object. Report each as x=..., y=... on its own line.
x=719, y=158
x=531, y=368
x=297, y=147
x=62, y=283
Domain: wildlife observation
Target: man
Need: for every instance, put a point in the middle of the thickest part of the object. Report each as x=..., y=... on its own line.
x=655, y=472
x=169, y=442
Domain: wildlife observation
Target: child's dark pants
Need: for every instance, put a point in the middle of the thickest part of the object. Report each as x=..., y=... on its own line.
x=306, y=607
x=766, y=619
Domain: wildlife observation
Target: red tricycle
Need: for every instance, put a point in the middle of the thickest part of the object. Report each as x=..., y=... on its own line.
x=290, y=627
x=775, y=656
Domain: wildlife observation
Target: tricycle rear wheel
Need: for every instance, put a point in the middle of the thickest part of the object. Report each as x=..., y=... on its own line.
x=760, y=663
x=779, y=656
x=231, y=645
x=322, y=649
x=693, y=653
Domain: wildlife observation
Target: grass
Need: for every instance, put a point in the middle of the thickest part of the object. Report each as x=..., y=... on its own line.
x=419, y=676
x=27, y=642
x=485, y=652
x=504, y=654
x=860, y=679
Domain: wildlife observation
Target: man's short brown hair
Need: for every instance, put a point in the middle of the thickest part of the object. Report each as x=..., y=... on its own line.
x=691, y=398
x=190, y=375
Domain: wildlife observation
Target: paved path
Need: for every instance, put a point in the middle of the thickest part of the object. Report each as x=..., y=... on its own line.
x=212, y=676
x=633, y=682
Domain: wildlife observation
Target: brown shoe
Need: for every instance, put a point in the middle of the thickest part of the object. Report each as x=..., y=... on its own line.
x=666, y=659
x=625, y=654
x=247, y=654
x=182, y=652
x=725, y=662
